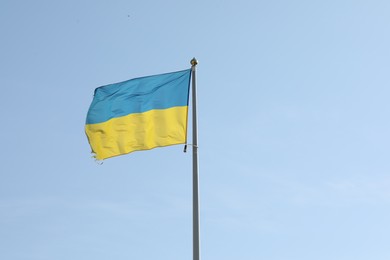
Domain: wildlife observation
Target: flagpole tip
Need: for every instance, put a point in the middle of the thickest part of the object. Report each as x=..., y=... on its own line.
x=194, y=62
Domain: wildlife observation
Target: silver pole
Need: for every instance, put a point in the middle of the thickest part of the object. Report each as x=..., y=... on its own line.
x=195, y=175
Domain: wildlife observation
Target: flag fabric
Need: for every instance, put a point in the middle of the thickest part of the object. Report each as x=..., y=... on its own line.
x=139, y=114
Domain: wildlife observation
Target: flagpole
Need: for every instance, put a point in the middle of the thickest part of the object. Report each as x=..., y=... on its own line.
x=195, y=175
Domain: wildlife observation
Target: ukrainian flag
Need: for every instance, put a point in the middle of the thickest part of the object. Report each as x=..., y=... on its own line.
x=139, y=114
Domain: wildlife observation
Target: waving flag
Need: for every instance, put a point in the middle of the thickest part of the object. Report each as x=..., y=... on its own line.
x=139, y=114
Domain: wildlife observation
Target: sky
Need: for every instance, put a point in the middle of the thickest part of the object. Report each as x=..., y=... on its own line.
x=293, y=117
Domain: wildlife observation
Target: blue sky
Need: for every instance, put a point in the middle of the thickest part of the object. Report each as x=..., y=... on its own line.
x=293, y=100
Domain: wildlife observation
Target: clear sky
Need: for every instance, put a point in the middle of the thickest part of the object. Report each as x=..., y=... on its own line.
x=294, y=130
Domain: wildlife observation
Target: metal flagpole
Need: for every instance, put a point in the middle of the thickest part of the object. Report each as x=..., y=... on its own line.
x=195, y=175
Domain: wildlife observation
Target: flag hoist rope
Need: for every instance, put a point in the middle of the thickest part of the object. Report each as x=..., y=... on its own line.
x=195, y=175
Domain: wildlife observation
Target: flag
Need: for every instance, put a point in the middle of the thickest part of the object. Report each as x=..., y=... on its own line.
x=139, y=114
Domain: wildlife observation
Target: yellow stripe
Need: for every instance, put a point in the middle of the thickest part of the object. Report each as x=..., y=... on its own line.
x=135, y=132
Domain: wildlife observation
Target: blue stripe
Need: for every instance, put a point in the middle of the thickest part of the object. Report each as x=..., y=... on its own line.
x=139, y=95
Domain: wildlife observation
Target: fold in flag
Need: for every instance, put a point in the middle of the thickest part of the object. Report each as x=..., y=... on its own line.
x=139, y=114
